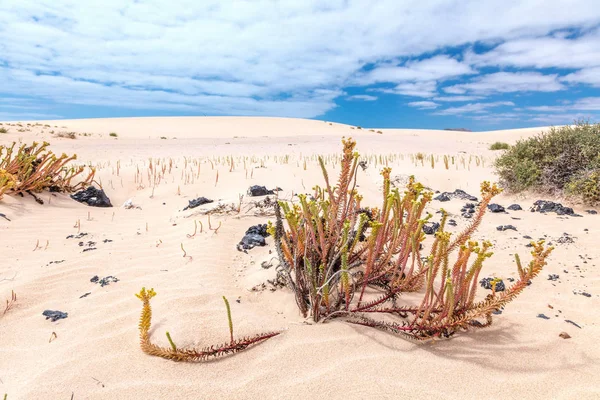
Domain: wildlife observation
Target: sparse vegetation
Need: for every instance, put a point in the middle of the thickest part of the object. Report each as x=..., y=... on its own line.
x=113, y=134
x=499, y=146
x=3, y=130
x=565, y=160
x=344, y=260
x=34, y=168
x=66, y=135
x=191, y=354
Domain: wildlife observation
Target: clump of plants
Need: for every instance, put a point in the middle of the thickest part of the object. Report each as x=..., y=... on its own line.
x=499, y=146
x=113, y=134
x=347, y=261
x=3, y=130
x=34, y=168
x=565, y=160
x=191, y=354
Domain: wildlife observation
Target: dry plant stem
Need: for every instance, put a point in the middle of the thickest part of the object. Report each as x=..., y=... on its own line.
x=10, y=303
x=188, y=354
x=334, y=249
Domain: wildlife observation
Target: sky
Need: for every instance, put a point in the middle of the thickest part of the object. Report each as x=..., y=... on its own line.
x=435, y=64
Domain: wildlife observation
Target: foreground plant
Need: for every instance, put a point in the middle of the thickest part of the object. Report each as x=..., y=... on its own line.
x=190, y=354
x=34, y=168
x=347, y=261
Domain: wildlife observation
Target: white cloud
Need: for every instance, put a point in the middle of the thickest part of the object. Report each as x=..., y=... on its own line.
x=415, y=89
x=457, y=98
x=262, y=57
x=423, y=105
x=437, y=68
x=590, y=76
x=473, y=108
x=585, y=104
x=505, y=82
x=363, y=97
x=543, y=52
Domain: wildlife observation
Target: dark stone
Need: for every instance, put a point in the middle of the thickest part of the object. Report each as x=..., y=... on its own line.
x=543, y=316
x=565, y=238
x=452, y=222
x=457, y=194
x=544, y=206
x=363, y=165
x=553, y=277
x=78, y=236
x=5, y=217
x=85, y=295
x=254, y=236
x=259, y=191
x=486, y=283
x=92, y=197
x=104, y=281
x=430, y=228
x=592, y=212
x=54, y=315
x=197, y=202
x=527, y=237
x=506, y=227
x=514, y=207
x=442, y=197
x=496, y=208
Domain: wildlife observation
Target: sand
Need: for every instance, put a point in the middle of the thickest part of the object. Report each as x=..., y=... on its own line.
x=95, y=353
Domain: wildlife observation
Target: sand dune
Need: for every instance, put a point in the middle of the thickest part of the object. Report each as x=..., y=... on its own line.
x=95, y=354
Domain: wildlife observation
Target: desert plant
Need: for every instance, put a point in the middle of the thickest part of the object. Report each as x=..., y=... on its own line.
x=10, y=303
x=585, y=185
x=34, y=169
x=67, y=135
x=113, y=134
x=499, y=146
x=555, y=162
x=190, y=354
x=342, y=260
x=3, y=130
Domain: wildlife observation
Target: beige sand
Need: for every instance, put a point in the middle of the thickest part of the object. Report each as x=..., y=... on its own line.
x=95, y=354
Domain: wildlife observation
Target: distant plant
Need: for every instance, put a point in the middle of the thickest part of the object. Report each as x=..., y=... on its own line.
x=344, y=260
x=67, y=135
x=420, y=156
x=113, y=134
x=190, y=354
x=499, y=146
x=3, y=130
x=33, y=169
x=565, y=160
x=163, y=137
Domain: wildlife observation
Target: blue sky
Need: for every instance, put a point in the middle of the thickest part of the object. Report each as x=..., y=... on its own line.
x=389, y=63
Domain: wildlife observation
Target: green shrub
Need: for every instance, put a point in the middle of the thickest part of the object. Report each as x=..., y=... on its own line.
x=564, y=160
x=113, y=134
x=3, y=130
x=500, y=146
x=587, y=186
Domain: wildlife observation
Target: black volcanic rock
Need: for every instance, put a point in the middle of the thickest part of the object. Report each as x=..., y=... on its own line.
x=92, y=197
x=496, y=208
x=197, y=202
x=545, y=206
x=457, y=194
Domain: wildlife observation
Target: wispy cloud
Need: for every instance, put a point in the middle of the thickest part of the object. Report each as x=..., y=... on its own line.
x=363, y=97
x=424, y=105
x=506, y=82
x=473, y=108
